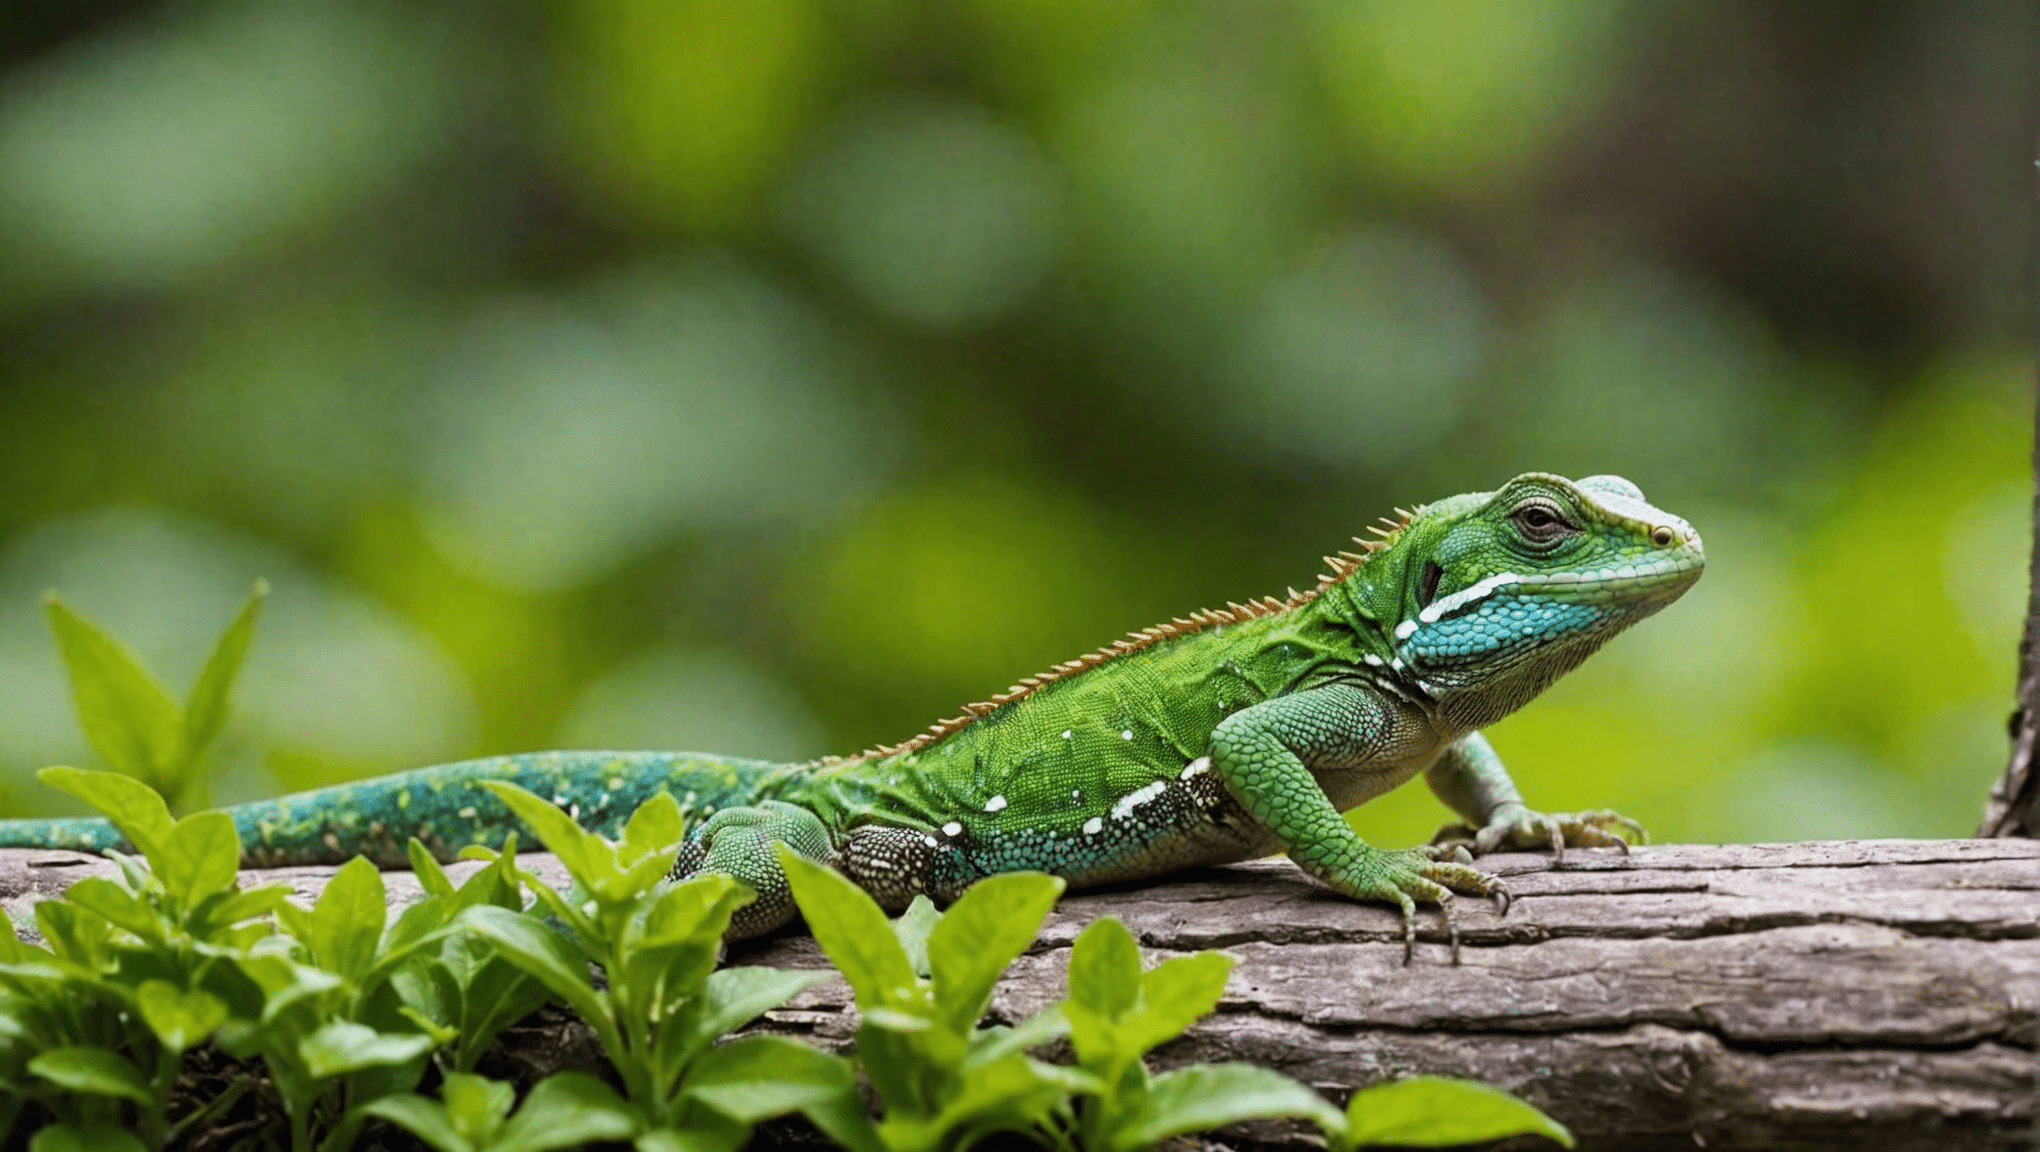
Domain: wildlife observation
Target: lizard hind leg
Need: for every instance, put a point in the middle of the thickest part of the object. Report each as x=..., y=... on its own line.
x=737, y=842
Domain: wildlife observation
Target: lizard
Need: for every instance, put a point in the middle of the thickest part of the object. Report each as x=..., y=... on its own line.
x=1226, y=735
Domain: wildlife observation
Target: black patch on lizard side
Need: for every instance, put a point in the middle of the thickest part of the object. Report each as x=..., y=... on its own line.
x=1427, y=588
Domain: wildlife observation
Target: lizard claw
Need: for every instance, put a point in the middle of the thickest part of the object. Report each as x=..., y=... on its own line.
x=1519, y=827
x=1410, y=876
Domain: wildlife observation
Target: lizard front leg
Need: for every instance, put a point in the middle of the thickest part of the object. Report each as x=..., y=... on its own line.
x=1261, y=753
x=1471, y=781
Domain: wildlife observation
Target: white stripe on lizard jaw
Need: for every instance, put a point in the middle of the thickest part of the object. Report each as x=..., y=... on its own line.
x=1467, y=595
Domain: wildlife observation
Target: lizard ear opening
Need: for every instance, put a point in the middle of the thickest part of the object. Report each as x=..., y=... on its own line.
x=1427, y=587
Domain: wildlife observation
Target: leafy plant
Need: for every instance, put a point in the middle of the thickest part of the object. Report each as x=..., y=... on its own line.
x=465, y=991
x=1117, y=1013
x=923, y=982
x=131, y=718
x=136, y=971
x=473, y=1114
x=943, y=1080
x=662, y=1004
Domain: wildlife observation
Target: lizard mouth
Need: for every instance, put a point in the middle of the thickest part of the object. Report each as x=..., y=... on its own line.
x=1651, y=581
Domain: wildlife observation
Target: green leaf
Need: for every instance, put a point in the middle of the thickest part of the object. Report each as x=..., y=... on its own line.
x=657, y=823
x=476, y=1105
x=12, y=950
x=568, y=1108
x=706, y=1131
x=737, y=995
x=1105, y=968
x=848, y=925
x=425, y=1119
x=248, y=905
x=72, y=934
x=284, y=981
x=200, y=856
x=344, y=1046
x=845, y=1120
x=1175, y=994
x=1205, y=1096
x=996, y=1043
x=347, y=922
x=431, y=877
x=92, y=1137
x=133, y=806
x=988, y=926
x=415, y=926
x=546, y=955
x=557, y=831
x=1013, y=1094
x=118, y=905
x=913, y=928
x=756, y=1077
x=621, y=887
x=205, y=712
x=695, y=909
x=1436, y=1111
x=126, y=714
x=181, y=1019
x=442, y=1034
x=80, y=1068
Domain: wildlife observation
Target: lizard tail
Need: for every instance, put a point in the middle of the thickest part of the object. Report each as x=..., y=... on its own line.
x=79, y=833
x=446, y=807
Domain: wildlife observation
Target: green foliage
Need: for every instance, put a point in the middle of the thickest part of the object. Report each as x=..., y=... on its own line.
x=128, y=715
x=472, y=1114
x=1117, y=1013
x=923, y=982
x=661, y=1004
x=346, y=1011
x=943, y=1081
x=1438, y=1112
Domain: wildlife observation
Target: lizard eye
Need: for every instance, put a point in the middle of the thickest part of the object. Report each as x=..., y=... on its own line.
x=1541, y=522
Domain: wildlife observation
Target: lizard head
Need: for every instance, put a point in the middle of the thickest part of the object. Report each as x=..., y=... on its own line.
x=1503, y=592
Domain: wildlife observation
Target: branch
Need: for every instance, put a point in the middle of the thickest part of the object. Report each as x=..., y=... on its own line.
x=1871, y=993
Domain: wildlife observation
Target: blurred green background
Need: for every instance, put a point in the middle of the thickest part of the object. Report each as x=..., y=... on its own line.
x=772, y=377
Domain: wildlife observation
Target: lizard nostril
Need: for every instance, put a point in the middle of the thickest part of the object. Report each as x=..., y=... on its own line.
x=1663, y=537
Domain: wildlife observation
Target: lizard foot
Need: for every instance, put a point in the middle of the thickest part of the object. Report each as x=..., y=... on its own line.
x=1515, y=826
x=1406, y=877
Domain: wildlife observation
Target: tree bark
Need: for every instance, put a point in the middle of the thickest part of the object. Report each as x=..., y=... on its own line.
x=1867, y=994
x=2014, y=805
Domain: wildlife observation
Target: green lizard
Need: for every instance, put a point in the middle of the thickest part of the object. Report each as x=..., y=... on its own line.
x=1232, y=734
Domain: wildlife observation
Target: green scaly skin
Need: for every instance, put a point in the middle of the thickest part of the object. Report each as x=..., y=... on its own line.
x=1229, y=736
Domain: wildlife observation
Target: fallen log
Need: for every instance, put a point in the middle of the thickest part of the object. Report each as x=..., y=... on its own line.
x=1877, y=994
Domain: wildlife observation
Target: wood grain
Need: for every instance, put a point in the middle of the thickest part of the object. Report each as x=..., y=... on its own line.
x=1860, y=994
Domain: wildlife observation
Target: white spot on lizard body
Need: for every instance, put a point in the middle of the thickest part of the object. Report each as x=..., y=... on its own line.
x=1126, y=804
x=1126, y=735
x=1093, y=826
x=995, y=804
x=952, y=829
x=1201, y=764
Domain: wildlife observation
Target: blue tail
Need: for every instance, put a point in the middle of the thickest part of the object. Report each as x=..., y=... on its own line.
x=446, y=807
